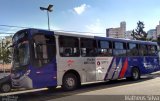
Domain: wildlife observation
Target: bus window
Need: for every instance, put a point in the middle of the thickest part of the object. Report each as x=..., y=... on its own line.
x=104, y=48
x=132, y=49
x=119, y=49
x=143, y=50
x=88, y=47
x=44, y=49
x=68, y=46
x=152, y=50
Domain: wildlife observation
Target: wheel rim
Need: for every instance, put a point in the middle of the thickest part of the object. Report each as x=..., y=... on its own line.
x=135, y=74
x=70, y=82
x=6, y=88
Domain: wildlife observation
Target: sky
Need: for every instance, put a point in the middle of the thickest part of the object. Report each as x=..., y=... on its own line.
x=79, y=15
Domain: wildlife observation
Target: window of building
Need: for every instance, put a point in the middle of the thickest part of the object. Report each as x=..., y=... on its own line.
x=88, y=47
x=68, y=46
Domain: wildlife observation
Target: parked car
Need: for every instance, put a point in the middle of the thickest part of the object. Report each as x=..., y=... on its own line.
x=5, y=84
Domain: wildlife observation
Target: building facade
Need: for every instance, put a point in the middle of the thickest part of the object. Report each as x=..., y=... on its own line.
x=158, y=29
x=128, y=35
x=117, y=32
x=152, y=34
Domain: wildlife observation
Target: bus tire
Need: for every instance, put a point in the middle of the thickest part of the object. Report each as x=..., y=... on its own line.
x=5, y=87
x=135, y=74
x=70, y=82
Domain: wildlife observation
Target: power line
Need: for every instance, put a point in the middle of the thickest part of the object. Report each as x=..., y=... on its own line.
x=13, y=26
x=5, y=33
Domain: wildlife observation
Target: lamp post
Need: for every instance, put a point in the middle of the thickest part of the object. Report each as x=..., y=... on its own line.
x=48, y=9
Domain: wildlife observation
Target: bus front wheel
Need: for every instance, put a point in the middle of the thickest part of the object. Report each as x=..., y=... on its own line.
x=70, y=82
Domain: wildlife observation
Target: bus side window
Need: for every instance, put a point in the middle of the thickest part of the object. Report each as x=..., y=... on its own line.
x=104, y=48
x=143, y=50
x=119, y=49
x=152, y=50
x=68, y=46
x=132, y=49
x=88, y=47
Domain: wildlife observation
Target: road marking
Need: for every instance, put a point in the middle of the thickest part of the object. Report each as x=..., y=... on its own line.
x=22, y=92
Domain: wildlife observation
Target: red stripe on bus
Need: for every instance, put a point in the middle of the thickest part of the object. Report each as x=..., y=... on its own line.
x=124, y=69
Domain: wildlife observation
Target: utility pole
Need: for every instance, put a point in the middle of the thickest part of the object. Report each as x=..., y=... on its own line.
x=48, y=9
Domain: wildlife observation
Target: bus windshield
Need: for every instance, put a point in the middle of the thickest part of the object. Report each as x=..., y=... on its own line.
x=21, y=54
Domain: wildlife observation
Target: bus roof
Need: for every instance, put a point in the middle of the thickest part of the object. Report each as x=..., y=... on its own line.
x=85, y=35
x=125, y=40
x=79, y=34
x=75, y=34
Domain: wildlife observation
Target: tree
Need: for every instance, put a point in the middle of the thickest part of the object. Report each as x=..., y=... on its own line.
x=5, y=52
x=139, y=33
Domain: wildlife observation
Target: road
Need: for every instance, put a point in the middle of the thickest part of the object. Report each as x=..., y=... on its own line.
x=148, y=85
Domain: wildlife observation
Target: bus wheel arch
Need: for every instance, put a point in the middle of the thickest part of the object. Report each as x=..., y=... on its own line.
x=73, y=76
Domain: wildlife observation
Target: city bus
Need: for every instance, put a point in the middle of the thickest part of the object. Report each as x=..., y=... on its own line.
x=43, y=58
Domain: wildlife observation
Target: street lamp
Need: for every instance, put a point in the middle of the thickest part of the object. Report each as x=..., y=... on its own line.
x=48, y=9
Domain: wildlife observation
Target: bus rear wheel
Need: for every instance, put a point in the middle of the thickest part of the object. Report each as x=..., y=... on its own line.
x=135, y=74
x=70, y=82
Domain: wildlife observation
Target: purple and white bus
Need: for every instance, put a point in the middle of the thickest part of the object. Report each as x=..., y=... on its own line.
x=44, y=58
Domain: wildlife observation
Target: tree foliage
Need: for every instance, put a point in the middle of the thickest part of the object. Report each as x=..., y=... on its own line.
x=139, y=33
x=5, y=52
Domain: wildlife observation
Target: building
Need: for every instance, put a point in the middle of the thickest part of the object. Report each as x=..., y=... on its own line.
x=128, y=35
x=158, y=29
x=117, y=32
x=152, y=34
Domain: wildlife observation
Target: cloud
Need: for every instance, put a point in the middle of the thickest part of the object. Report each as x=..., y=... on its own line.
x=96, y=27
x=80, y=9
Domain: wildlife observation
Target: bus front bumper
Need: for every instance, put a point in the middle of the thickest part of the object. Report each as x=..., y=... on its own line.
x=22, y=82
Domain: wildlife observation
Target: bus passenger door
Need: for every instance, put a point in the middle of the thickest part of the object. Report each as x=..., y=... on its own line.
x=89, y=68
x=44, y=61
x=88, y=53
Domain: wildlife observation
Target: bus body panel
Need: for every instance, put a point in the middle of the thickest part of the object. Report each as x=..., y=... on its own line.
x=65, y=64
x=102, y=67
x=44, y=76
